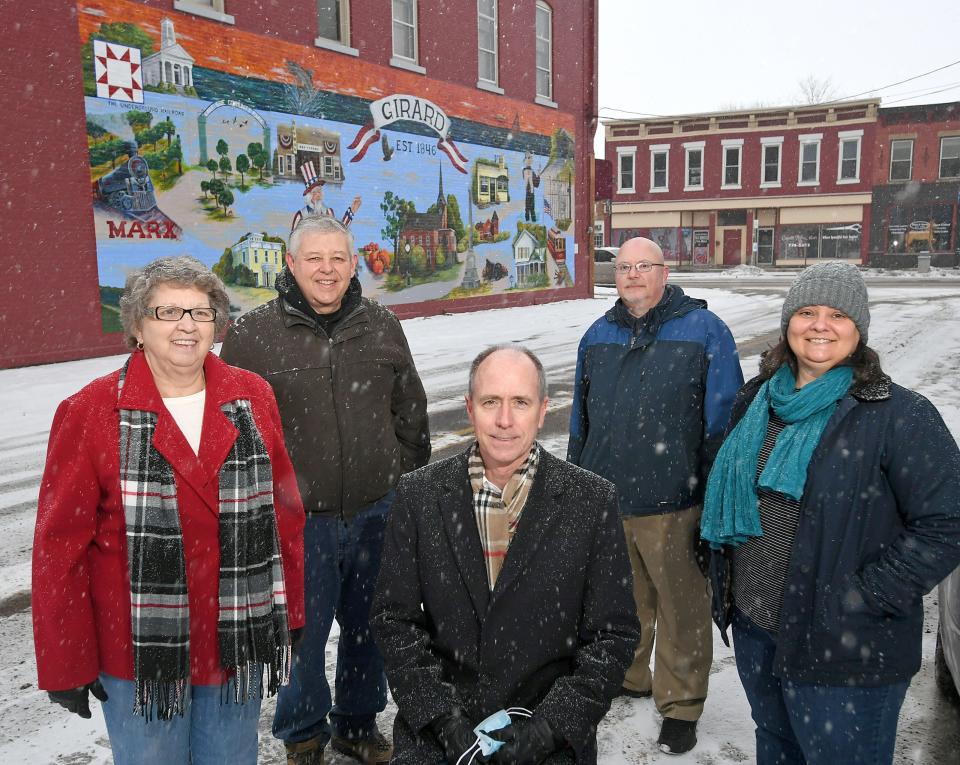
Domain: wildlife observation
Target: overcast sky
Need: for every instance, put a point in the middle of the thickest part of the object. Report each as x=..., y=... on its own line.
x=684, y=56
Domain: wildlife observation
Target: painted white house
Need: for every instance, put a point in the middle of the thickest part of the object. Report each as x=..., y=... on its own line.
x=264, y=258
x=528, y=256
x=171, y=65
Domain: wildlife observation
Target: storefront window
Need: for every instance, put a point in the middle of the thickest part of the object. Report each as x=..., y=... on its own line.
x=925, y=228
x=820, y=241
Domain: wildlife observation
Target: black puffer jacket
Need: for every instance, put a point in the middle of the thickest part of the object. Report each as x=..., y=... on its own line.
x=353, y=408
x=879, y=527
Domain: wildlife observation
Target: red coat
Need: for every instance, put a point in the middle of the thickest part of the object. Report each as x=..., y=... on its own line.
x=81, y=586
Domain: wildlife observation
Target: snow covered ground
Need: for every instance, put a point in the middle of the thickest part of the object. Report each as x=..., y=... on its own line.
x=916, y=329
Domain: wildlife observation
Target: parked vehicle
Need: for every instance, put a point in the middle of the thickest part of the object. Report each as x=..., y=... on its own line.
x=603, y=258
x=947, y=664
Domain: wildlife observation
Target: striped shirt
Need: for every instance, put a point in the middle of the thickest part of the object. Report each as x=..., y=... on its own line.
x=760, y=564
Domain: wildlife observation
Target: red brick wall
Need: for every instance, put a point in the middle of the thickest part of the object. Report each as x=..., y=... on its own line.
x=49, y=300
x=922, y=123
x=749, y=164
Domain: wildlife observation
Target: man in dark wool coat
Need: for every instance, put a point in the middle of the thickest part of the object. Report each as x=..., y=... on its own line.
x=504, y=586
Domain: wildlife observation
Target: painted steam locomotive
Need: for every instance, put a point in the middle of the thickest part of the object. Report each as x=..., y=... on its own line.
x=128, y=188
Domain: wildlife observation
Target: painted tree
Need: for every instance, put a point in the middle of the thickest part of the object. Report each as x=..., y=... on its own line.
x=243, y=165
x=223, y=148
x=205, y=187
x=212, y=166
x=168, y=128
x=225, y=166
x=138, y=120
x=418, y=259
x=395, y=211
x=258, y=157
x=175, y=154
x=225, y=199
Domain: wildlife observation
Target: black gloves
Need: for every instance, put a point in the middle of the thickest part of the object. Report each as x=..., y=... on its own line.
x=455, y=734
x=296, y=637
x=528, y=741
x=77, y=700
x=701, y=551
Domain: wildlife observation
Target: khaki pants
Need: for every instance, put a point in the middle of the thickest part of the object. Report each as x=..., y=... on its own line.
x=671, y=594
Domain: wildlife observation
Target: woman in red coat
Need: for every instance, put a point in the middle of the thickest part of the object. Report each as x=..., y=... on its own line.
x=168, y=556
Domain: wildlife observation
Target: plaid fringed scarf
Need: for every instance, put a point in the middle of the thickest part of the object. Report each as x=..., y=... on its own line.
x=252, y=625
x=498, y=512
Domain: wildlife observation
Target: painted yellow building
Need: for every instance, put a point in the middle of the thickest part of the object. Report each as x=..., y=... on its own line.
x=264, y=258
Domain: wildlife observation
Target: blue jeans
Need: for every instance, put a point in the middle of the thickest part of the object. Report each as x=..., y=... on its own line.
x=800, y=723
x=213, y=730
x=341, y=563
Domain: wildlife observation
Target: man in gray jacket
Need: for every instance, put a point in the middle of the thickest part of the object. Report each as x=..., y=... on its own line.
x=355, y=419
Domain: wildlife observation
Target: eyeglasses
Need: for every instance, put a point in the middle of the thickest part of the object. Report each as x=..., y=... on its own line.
x=175, y=313
x=642, y=267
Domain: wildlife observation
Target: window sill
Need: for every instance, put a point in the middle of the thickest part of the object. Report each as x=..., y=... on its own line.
x=731, y=187
x=200, y=10
x=693, y=188
x=770, y=185
x=334, y=45
x=405, y=63
x=659, y=191
x=490, y=86
x=847, y=181
x=899, y=180
x=809, y=183
x=543, y=101
x=626, y=191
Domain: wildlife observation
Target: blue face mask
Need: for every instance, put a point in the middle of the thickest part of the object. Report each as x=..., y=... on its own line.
x=496, y=721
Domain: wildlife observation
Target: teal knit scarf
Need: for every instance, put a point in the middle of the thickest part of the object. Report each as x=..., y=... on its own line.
x=730, y=511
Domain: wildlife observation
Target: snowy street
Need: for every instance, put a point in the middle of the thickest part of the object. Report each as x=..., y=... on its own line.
x=915, y=327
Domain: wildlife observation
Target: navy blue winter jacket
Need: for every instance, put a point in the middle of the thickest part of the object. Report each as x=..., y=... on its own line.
x=649, y=410
x=879, y=528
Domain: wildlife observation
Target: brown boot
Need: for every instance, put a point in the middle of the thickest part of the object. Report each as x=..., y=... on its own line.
x=373, y=750
x=305, y=752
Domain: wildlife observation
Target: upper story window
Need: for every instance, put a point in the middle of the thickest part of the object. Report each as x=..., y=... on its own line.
x=693, y=166
x=487, y=41
x=598, y=233
x=626, y=170
x=333, y=26
x=544, y=51
x=950, y=157
x=771, y=152
x=209, y=9
x=405, y=53
x=732, y=153
x=848, y=161
x=901, y=159
x=809, y=171
x=659, y=167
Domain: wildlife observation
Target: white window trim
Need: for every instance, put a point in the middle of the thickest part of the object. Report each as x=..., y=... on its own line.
x=814, y=138
x=632, y=153
x=496, y=48
x=343, y=44
x=402, y=61
x=771, y=140
x=731, y=143
x=659, y=148
x=544, y=99
x=687, y=148
x=842, y=137
x=485, y=85
x=216, y=12
x=890, y=170
x=598, y=231
x=942, y=138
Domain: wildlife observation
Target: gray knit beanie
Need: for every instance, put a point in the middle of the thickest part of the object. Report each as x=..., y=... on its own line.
x=838, y=285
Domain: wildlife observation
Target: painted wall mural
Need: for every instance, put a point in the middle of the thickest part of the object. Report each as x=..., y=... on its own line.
x=186, y=158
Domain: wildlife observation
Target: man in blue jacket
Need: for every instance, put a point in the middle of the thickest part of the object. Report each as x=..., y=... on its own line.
x=656, y=377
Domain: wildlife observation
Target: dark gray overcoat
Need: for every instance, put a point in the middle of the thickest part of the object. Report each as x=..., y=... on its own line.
x=557, y=633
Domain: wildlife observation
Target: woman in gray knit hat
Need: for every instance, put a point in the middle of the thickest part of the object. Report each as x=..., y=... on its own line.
x=833, y=506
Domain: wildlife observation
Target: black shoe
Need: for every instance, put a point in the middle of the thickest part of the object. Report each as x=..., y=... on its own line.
x=624, y=691
x=677, y=736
